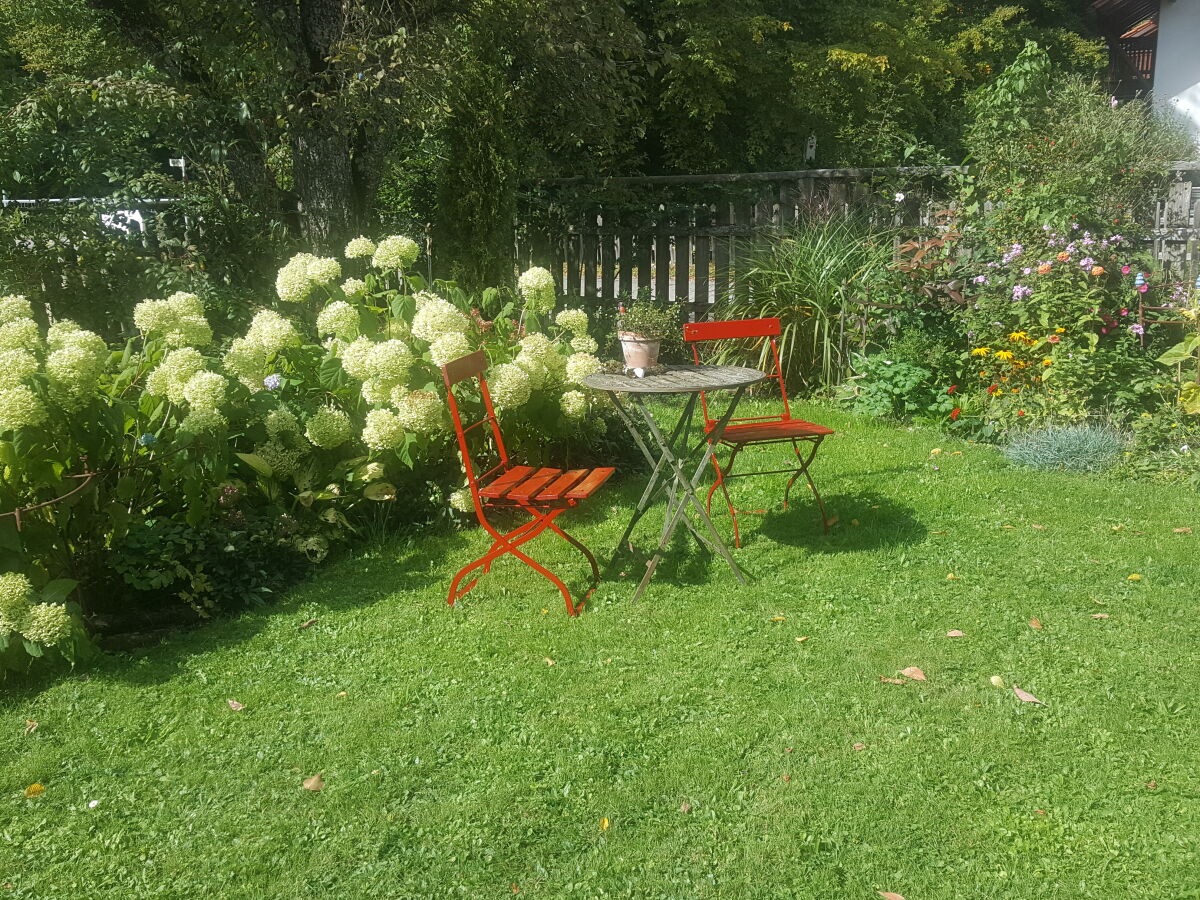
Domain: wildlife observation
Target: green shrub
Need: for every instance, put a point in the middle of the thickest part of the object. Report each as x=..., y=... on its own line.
x=142, y=463
x=808, y=277
x=1071, y=448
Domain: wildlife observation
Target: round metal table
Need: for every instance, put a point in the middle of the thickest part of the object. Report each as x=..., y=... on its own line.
x=669, y=468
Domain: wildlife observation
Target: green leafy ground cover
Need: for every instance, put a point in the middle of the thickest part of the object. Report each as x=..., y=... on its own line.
x=482, y=751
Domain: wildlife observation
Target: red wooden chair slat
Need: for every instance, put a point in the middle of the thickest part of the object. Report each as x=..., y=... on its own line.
x=558, y=487
x=757, y=430
x=525, y=491
x=588, y=486
x=544, y=494
x=508, y=480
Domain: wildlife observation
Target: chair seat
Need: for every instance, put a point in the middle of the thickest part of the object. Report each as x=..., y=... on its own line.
x=524, y=484
x=760, y=432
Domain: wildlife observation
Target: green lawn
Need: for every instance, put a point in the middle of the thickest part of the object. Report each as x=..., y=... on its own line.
x=479, y=751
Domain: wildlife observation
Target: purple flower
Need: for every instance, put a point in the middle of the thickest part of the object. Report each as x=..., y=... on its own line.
x=1019, y=291
x=1026, y=270
x=1074, y=226
x=1086, y=263
x=272, y=382
x=1045, y=228
x=1117, y=238
x=1136, y=329
x=1112, y=101
x=979, y=279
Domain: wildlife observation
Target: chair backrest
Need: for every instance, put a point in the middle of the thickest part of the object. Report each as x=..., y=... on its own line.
x=696, y=333
x=455, y=372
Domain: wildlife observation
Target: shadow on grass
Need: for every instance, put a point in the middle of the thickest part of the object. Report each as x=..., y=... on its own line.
x=881, y=523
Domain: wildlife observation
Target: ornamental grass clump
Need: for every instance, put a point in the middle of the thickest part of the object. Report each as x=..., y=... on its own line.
x=1070, y=448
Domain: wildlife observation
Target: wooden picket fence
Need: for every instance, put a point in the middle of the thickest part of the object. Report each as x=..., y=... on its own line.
x=683, y=238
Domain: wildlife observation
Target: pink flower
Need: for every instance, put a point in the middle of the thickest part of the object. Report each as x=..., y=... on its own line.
x=1125, y=270
x=1143, y=288
x=1054, y=338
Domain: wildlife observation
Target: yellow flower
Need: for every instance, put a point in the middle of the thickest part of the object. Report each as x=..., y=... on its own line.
x=1059, y=330
x=1047, y=361
x=1016, y=390
x=983, y=374
x=1018, y=336
x=981, y=351
x=1004, y=354
x=1097, y=270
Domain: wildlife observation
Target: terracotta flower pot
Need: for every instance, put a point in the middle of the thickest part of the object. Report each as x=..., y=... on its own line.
x=640, y=352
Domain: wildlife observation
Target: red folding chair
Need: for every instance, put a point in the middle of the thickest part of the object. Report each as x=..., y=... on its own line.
x=543, y=493
x=757, y=430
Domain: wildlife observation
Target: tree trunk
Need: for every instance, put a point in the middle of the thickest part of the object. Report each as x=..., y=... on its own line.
x=325, y=185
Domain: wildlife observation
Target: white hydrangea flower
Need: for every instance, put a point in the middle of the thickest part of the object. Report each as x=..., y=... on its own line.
x=173, y=373
x=340, y=319
x=390, y=361
x=359, y=248
x=573, y=320
x=355, y=358
x=14, y=306
x=537, y=288
x=328, y=427
x=462, y=500
x=282, y=460
x=383, y=430
x=376, y=391
x=244, y=360
x=281, y=422
x=437, y=317
x=420, y=298
x=179, y=320
x=293, y=283
x=509, y=386
x=204, y=420
x=448, y=347
x=47, y=623
x=354, y=287
x=20, y=334
x=16, y=599
x=421, y=412
x=395, y=252
x=271, y=332
x=75, y=368
x=205, y=390
x=152, y=316
x=324, y=270
x=61, y=333
x=574, y=405
x=581, y=365
x=17, y=364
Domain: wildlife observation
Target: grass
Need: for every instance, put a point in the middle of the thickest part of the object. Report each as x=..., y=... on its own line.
x=480, y=751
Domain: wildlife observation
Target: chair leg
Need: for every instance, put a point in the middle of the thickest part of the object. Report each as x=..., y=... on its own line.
x=803, y=470
x=502, y=544
x=557, y=529
x=720, y=482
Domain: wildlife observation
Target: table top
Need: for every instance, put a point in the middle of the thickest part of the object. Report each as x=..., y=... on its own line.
x=678, y=380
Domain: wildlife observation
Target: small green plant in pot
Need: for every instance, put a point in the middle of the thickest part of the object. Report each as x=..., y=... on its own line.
x=641, y=329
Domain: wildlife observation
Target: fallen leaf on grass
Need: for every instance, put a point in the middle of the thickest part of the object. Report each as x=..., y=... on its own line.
x=34, y=790
x=1099, y=615
x=549, y=661
x=778, y=618
x=1009, y=527
x=309, y=624
x=1038, y=527
x=887, y=680
x=1035, y=623
x=515, y=889
x=787, y=777
x=316, y=783
x=802, y=639
x=955, y=633
x=914, y=673
x=831, y=521
x=1026, y=697
x=854, y=522
x=859, y=747
x=1134, y=577
x=604, y=824
x=1151, y=785
x=1183, y=530
x=952, y=577
x=889, y=895
x=235, y=706
x=936, y=451
x=939, y=532
x=30, y=727
x=997, y=681
x=1040, y=812
x=685, y=807
x=1117, y=527
x=341, y=694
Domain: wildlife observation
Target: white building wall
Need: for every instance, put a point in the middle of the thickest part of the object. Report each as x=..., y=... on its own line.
x=1177, y=62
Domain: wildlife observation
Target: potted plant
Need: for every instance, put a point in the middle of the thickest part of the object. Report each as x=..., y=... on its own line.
x=641, y=329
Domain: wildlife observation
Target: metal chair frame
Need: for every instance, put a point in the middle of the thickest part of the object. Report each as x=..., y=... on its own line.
x=543, y=493
x=768, y=329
